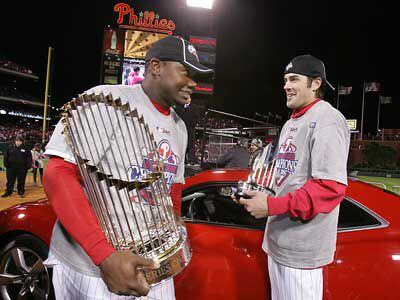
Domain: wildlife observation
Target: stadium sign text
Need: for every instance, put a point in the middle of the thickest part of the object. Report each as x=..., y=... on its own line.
x=148, y=20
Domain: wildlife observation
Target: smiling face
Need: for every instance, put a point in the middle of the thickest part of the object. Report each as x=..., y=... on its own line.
x=299, y=93
x=176, y=83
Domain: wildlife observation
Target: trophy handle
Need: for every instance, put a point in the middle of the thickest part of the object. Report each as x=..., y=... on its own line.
x=250, y=186
x=241, y=188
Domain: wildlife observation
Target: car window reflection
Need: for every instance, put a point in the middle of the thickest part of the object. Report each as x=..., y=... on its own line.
x=214, y=204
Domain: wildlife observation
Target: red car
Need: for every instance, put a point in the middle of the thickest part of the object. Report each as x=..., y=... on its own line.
x=228, y=262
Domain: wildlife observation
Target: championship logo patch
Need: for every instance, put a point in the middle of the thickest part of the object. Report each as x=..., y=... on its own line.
x=286, y=161
x=149, y=164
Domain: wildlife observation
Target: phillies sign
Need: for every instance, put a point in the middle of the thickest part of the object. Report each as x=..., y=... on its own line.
x=147, y=20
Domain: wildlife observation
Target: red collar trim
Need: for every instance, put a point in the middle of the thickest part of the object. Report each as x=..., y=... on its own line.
x=164, y=110
x=299, y=112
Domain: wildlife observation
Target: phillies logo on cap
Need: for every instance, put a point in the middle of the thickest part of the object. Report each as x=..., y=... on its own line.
x=193, y=51
x=288, y=67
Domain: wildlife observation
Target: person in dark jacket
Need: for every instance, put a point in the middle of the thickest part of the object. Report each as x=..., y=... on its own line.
x=17, y=161
x=256, y=148
x=236, y=157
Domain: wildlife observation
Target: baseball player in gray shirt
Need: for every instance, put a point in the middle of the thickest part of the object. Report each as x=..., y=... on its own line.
x=310, y=183
x=85, y=265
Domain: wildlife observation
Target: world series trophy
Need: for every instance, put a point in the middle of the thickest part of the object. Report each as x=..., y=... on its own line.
x=261, y=177
x=122, y=174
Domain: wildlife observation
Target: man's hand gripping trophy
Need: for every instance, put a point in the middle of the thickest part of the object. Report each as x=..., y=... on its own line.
x=253, y=192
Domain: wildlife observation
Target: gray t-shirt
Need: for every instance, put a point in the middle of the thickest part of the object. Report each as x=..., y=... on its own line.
x=314, y=145
x=170, y=135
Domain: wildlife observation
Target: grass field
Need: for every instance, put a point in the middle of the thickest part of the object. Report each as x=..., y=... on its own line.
x=391, y=184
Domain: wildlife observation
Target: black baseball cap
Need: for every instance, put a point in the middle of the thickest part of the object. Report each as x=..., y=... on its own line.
x=308, y=65
x=177, y=49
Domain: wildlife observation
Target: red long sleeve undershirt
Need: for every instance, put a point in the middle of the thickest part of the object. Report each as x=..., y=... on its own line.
x=176, y=195
x=62, y=183
x=315, y=196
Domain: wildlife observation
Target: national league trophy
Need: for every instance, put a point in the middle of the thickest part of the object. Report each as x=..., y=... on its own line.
x=261, y=177
x=122, y=174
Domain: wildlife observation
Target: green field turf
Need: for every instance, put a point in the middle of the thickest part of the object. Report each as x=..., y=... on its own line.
x=390, y=183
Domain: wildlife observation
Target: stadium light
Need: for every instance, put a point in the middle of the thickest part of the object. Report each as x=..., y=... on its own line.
x=200, y=3
x=3, y=112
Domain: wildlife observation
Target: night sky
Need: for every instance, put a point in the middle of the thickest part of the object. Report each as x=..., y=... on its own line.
x=357, y=40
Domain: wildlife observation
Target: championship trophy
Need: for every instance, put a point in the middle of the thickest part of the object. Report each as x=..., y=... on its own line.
x=261, y=177
x=122, y=174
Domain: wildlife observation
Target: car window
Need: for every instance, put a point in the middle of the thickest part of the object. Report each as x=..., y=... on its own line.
x=353, y=215
x=212, y=203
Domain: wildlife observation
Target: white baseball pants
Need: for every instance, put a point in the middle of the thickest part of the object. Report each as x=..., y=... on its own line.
x=71, y=285
x=294, y=284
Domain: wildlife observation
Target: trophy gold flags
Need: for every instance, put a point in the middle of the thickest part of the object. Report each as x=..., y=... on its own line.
x=132, y=205
x=261, y=177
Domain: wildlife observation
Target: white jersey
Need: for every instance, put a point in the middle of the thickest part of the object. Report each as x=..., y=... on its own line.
x=37, y=157
x=171, y=138
x=314, y=145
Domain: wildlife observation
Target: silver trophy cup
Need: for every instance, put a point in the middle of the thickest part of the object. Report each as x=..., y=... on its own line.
x=261, y=176
x=123, y=180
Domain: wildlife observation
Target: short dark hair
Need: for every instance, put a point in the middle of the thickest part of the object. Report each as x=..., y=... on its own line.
x=320, y=91
x=243, y=142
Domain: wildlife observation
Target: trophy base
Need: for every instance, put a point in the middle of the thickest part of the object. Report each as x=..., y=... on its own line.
x=250, y=186
x=171, y=262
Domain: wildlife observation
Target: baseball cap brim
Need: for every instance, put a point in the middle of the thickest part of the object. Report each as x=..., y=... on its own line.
x=193, y=64
x=197, y=67
x=329, y=84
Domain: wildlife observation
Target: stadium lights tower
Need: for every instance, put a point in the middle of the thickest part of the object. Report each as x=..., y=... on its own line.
x=200, y=3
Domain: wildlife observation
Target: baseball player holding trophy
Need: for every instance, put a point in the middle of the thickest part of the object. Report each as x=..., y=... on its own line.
x=115, y=181
x=309, y=179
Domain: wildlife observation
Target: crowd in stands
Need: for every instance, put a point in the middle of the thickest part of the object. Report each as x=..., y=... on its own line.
x=378, y=137
x=212, y=151
x=8, y=64
x=30, y=132
x=218, y=123
x=10, y=92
